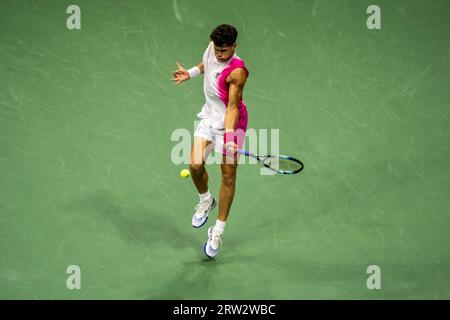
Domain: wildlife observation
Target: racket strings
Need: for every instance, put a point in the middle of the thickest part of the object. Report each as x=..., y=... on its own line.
x=282, y=164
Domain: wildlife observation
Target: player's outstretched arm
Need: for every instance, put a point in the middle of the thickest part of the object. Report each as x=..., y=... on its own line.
x=238, y=79
x=181, y=74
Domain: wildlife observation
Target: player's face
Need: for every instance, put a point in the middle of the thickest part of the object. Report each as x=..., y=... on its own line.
x=224, y=53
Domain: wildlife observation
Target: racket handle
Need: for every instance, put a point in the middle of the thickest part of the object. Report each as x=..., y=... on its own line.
x=245, y=153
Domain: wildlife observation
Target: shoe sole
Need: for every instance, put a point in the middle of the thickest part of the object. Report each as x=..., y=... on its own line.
x=204, y=250
x=206, y=220
x=206, y=243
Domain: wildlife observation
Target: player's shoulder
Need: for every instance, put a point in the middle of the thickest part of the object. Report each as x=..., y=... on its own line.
x=239, y=75
x=240, y=71
x=207, y=53
x=239, y=68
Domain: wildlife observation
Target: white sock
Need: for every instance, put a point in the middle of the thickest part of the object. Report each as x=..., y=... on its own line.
x=220, y=226
x=205, y=196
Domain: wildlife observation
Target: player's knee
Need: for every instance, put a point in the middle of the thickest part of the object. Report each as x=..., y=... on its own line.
x=228, y=179
x=195, y=167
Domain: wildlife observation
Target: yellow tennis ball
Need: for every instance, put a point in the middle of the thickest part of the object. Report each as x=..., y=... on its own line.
x=184, y=173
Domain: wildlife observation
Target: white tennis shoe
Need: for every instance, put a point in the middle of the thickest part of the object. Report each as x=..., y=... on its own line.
x=211, y=247
x=201, y=212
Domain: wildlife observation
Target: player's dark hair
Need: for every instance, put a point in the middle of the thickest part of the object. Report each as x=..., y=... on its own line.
x=224, y=35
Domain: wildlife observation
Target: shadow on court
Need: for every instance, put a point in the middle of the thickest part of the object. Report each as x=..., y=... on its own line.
x=192, y=282
x=140, y=226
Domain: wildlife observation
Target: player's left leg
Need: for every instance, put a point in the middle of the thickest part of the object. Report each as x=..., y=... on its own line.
x=227, y=189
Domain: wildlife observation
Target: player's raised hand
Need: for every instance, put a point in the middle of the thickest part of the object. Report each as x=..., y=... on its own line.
x=180, y=74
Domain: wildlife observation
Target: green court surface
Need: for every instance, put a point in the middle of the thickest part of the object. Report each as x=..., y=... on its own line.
x=86, y=177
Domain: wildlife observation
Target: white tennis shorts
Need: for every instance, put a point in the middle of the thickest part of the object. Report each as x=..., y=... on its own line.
x=204, y=130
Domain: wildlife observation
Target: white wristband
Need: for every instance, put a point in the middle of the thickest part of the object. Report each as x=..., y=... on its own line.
x=194, y=71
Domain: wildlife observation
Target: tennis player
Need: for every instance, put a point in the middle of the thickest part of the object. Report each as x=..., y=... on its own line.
x=222, y=126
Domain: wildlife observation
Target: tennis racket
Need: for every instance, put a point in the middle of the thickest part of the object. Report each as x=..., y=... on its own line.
x=277, y=163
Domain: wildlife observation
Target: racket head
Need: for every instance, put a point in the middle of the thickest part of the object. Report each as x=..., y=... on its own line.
x=282, y=164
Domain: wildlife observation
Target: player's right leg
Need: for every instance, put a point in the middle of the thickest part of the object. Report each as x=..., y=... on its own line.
x=199, y=153
x=227, y=189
